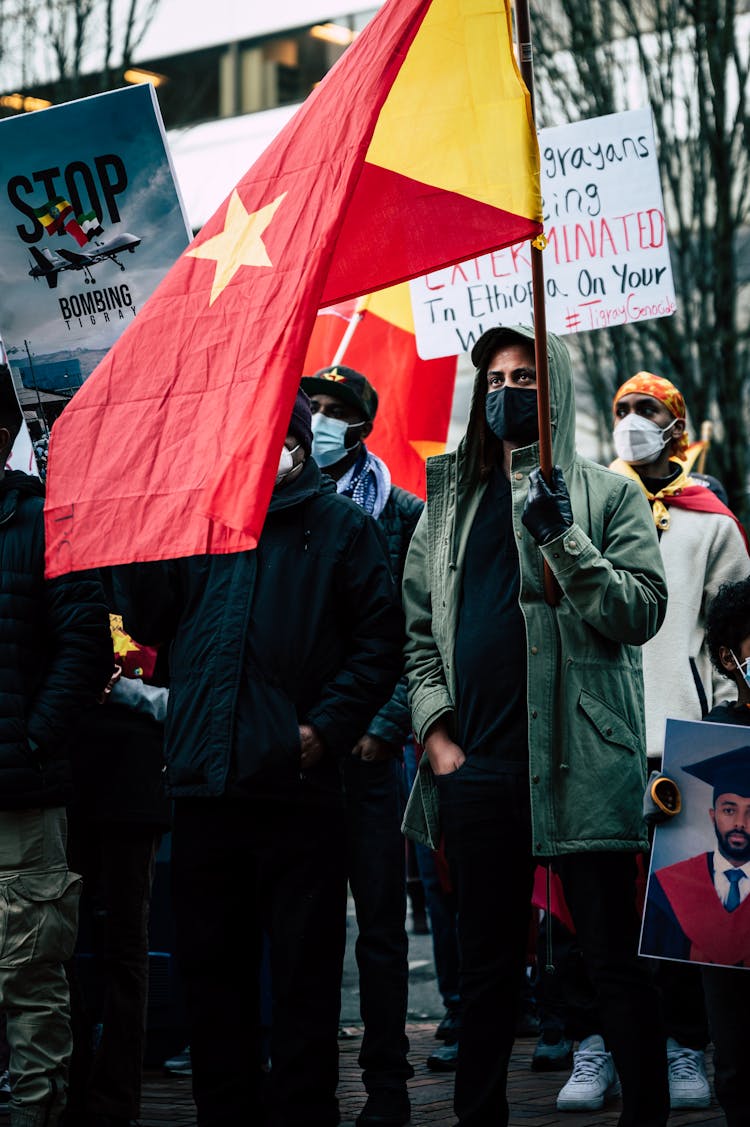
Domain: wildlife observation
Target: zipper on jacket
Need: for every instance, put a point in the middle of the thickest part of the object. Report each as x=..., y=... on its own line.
x=306, y=532
x=453, y=496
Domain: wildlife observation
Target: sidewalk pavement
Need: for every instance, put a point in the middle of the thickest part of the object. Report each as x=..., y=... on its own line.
x=167, y=1101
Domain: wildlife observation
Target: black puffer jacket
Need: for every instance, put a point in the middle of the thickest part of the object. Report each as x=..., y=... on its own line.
x=307, y=629
x=397, y=522
x=55, y=653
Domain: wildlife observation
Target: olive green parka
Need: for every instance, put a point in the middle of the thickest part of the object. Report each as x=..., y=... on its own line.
x=587, y=762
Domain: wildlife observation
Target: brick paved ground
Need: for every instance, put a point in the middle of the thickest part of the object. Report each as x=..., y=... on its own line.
x=167, y=1101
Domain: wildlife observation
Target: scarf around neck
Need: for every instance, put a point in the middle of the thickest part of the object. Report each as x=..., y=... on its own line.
x=368, y=483
x=683, y=492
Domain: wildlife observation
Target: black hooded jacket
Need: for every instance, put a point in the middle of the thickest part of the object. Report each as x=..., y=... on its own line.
x=306, y=629
x=55, y=653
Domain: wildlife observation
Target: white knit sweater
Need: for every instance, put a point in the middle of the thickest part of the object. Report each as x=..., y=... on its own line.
x=700, y=552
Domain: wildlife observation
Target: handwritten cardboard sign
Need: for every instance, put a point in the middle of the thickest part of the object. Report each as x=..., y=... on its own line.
x=607, y=259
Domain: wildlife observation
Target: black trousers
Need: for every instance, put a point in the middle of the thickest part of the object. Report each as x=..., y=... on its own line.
x=487, y=825
x=568, y=1000
x=376, y=862
x=116, y=861
x=239, y=868
x=565, y=997
x=728, y=1003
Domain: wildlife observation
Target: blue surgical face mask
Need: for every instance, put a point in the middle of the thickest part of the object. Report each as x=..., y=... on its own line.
x=743, y=666
x=329, y=439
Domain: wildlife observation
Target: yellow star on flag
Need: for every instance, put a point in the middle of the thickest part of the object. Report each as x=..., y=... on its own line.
x=239, y=244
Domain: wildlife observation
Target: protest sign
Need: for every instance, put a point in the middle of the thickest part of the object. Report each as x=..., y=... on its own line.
x=21, y=456
x=607, y=259
x=90, y=222
x=695, y=910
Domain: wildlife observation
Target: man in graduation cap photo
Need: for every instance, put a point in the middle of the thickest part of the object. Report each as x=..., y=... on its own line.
x=699, y=909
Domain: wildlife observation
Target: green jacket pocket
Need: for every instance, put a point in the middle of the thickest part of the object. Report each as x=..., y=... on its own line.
x=612, y=727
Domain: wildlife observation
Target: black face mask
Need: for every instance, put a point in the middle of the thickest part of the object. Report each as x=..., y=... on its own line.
x=512, y=413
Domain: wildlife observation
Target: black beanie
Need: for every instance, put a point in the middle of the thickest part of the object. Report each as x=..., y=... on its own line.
x=299, y=424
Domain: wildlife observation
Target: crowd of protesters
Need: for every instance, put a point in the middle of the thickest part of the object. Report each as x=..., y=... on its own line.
x=512, y=647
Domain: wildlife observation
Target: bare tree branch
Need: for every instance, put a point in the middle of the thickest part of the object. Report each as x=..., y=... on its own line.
x=66, y=39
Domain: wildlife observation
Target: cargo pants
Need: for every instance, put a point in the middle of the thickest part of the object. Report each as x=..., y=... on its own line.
x=38, y=923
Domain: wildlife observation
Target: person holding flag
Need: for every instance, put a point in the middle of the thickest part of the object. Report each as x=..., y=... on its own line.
x=532, y=715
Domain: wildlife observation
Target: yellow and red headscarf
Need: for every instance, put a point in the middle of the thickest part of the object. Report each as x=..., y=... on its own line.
x=645, y=383
x=683, y=492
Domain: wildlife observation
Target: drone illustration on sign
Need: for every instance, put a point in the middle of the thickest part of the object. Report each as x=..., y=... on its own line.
x=49, y=265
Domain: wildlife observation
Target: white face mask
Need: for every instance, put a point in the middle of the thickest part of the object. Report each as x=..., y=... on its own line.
x=329, y=439
x=639, y=441
x=286, y=463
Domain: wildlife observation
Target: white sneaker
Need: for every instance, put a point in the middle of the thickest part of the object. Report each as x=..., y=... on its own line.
x=688, y=1083
x=593, y=1080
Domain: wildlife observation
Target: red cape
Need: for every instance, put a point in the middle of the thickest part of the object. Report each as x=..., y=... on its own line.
x=715, y=935
x=700, y=499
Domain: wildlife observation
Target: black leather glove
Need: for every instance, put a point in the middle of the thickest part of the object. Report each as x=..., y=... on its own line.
x=547, y=512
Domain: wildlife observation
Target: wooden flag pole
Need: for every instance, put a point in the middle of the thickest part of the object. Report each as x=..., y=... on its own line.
x=707, y=431
x=552, y=592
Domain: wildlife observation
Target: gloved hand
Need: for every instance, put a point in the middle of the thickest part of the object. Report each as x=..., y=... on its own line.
x=149, y=699
x=662, y=799
x=547, y=512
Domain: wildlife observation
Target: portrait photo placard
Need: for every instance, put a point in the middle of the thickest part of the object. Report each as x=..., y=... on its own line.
x=698, y=896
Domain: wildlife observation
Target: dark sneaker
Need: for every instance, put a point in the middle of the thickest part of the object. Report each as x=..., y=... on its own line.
x=181, y=1064
x=444, y=1058
x=552, y=1053
x=528, y=1025
x=388, y=1107
x=449, y=1026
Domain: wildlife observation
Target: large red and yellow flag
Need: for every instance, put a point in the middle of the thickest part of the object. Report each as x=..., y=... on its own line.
x=417, y=150
x=415, y=395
